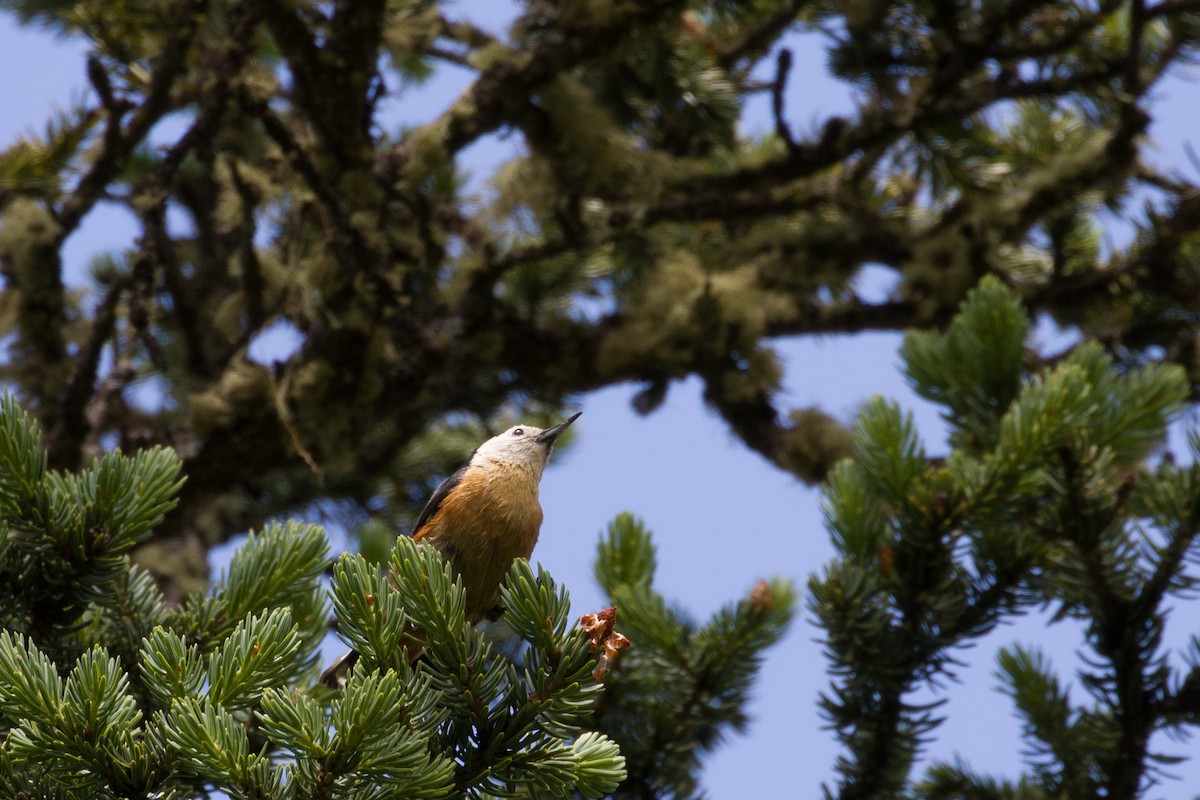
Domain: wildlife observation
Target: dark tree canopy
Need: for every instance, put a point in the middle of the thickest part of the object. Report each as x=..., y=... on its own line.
x=641, y=237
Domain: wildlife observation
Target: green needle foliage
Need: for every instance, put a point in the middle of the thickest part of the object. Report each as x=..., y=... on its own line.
x=499, y=724
x=106, y=691
x=654, y=224
x=682, y=685
x=1049, y=497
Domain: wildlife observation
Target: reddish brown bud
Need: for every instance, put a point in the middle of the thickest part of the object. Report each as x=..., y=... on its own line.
x=761, y=599
x=598, y=626
x=605, y=640
x=607, y=660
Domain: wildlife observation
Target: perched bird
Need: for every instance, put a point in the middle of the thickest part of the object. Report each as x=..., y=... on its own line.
x=482, y=517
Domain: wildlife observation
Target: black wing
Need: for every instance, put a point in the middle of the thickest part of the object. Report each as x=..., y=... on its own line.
x=439, y=494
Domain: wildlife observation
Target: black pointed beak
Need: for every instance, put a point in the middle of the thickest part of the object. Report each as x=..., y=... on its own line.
x=548, y=436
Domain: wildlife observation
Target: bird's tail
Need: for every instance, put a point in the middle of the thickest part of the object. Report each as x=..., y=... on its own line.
x=335, y=676
x=338, y=673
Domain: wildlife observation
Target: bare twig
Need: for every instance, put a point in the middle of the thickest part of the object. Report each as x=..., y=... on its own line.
x=67, y=428
x=759, y=38
x=252, y=280
x=120, y=142
x=157, y=244
x=783, y=65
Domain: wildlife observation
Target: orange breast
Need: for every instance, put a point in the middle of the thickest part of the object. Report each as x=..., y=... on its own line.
x=489, y=519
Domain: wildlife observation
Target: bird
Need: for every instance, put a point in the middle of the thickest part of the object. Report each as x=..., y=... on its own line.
x=482, y=517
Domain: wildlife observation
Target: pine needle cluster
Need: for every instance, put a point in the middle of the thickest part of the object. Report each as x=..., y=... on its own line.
x=1049, y=497
x=683, y=685
x=107, y=691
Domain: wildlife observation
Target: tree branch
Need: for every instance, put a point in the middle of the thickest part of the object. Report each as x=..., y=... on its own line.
x=67, y=425
x=510, y=82
x=121, y=142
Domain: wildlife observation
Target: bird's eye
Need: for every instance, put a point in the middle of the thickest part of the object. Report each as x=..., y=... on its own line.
x=518, y=431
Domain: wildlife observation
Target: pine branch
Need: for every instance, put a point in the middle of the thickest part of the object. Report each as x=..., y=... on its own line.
x=679, y=688
x=1041, y=481
x=119, y=697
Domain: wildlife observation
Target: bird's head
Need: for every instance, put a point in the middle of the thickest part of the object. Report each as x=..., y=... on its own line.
x=523, y=444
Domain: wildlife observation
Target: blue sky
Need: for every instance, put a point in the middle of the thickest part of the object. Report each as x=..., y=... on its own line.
x=722, y=517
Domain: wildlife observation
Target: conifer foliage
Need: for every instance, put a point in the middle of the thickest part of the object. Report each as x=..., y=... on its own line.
x=682, y=686
x=646, y=229
x=105, y=691
x=1046, y=499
